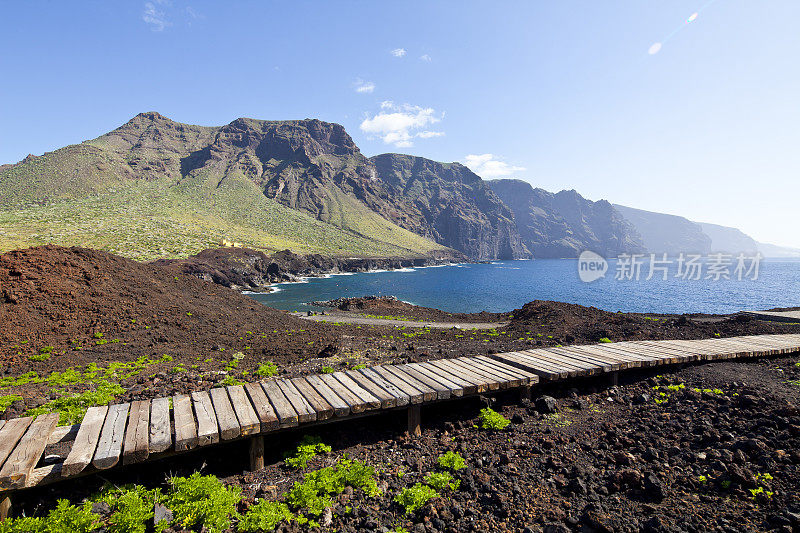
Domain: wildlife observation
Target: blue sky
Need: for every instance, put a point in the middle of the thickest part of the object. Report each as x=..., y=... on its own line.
x=564, y=94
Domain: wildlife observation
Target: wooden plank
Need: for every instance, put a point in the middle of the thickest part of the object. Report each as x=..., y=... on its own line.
x=305, y=412
x=160, y=430
x=481, y=383
x=503, y=381
x=444, y=389
x=673, y=354
x=387, y=399
x=264, y=411
x=429, y=394
x=356, y=404
x=532, y=356
x=415, y=395
x=571, y=368
x=27, y=452
x=543, y=370
x=226, y=416
x=604, y=366
x=287, y=416
x=471, y=384
x=511, y=378
x=655, y=352
x=85, y=443
x=10, y=433
x=467, y=386
x=400, y=398
x=207, y=428
x=647, y=357
x=136, y=446
x=372, y=401
x=614, y=354
x=109, y=447
x=527, y=378
x=436, y=376
x=185, y=427
x=321, y=406
x=615, y=362
x=340, y=407
x=61, y=433
x=249, y=423
x=490, y=381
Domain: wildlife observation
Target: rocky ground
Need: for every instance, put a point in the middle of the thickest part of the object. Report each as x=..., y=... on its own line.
x=65, y=308
x=719, y=451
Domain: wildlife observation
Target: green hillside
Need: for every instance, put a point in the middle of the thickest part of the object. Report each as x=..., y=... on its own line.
x=156, y=188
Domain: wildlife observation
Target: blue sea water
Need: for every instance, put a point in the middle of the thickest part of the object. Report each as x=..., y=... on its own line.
x=506, y=285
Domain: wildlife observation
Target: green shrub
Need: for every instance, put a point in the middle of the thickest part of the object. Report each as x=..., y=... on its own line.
x=441, y=481
x=265, y=515
x=605, y=340
x=315, y=492
x=66, y=518
x=38, y=358
x=202, y=501
x=490, y=419
x=26, y=524
x=451, y=461
x=132, y=506
x=266, y=370
x=307, y=450
x=7, y=400
x=72, y=408
x=327, y=370
x=414, y=497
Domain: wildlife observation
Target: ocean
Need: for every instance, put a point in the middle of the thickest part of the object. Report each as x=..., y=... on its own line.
x=506, y=285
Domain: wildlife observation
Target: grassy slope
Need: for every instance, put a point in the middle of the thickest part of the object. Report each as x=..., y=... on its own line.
x=87, y=195
x=145, y=220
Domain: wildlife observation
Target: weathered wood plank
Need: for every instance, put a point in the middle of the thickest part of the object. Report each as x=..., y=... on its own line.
x=428, y=393
x=527, y=378
x=27, y=452
x=264, y=411
x=340, y=407
x=283, y=408
x=575, y=353
x=10, y=433
x=185, y=426
x=305, y=411
x=323, y=409
x=443, y=391
x=481, y=382
x=207, y=428
x=503, y=381
x=542, y=370
x=86, y=441
x=109, y=447
x=356, y=404
x=61, y=433
x=245, y=413
x=369, y=399
x=510, y=379
x=434, y=375
x=467, y=386
x=136, y=446
x=226, y=417
x=400, y=398
x=160, y=430
x=415, y=395
x=387, y=399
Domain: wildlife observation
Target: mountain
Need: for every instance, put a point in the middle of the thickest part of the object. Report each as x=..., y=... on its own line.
x=449, y=204
x=774, y=251
x=564, y=224
x=158, y=188
x=729, y=240
x=667, y=233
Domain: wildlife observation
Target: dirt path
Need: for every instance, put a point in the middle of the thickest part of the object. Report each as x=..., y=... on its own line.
x=335, y=317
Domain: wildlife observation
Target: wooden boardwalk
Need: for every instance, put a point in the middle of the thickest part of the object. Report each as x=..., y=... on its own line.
x=128, y=433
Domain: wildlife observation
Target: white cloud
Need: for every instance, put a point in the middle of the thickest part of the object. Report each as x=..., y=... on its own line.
x=426, y=58
x=656, y=48
x=490, y=166
x=399, y=52
x=362, y=86
x=155, y=17
x=427, y=134
x=398, y=124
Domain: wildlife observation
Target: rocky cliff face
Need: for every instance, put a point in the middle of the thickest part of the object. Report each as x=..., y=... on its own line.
x=449, y=204
x=662, y=233
x=564, y=224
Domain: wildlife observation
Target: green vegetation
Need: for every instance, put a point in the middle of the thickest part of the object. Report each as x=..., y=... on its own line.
x=65, y=518
x=265, y=515
x=308, y=449
x=327, y=370
x=442, y=481
x=7, y=400
x=604, y=340
x=414, y=497
x=266, y=370
x=451, y=461
x=202, y=501
x=490, y=419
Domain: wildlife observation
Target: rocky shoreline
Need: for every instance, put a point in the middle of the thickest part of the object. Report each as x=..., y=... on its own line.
x=244, y=269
